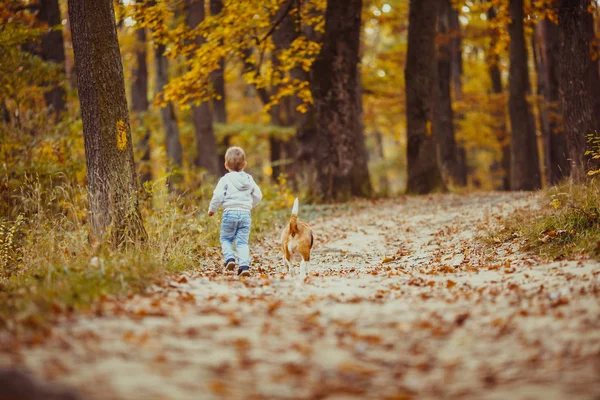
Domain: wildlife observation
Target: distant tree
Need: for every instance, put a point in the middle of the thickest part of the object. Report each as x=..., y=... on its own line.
x=111, y=176
x=525, y=171
x=456, y=70
x=52, y=48
x=340, y=155
x=493, y=61
x=169, y=120
x=579, y=82
x=546, y=47
x=424, y=174
x=218, y=83
x=206, y=143
x=139, y=100
x=443, y=122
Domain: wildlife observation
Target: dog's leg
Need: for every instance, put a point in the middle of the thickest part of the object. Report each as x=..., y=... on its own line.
x=302, y=269
x=287, y=263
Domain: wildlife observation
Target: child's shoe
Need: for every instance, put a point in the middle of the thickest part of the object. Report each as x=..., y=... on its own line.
x=230, y=264
x=244, y=270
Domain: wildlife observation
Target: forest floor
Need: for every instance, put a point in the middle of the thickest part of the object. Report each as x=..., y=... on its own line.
x=401, y=302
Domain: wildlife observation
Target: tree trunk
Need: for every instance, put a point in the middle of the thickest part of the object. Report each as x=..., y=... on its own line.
x=443, y=122
x=579, y=83
x=339, y=157
x=169, y=120
x=525, y=171
x=219, y=104
x=555, y=146
x=52, y=48
x=499, y=114
x=424, y=174
x=207, y=156
x=111, y=175
x=139, y=101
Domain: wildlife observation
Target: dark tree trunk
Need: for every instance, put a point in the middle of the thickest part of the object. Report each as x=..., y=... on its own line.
x=457, y=72
x=219, y=104
x=111, y=175
x=443, y=122
x=579, y=83
x=207, y=156
x=339, y=154
x=139, y=102
x=525, y=171
x=499, y=114
x=52, y=48
x=169, y=120
x=424, y=174
x=555, y=146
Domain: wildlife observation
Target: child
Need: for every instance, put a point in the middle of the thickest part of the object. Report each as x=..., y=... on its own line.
x=238, y=194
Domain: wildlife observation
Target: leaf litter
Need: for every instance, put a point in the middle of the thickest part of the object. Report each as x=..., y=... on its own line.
x=401, y=302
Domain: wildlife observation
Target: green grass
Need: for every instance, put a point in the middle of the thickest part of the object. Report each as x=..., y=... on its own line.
x=566, y=224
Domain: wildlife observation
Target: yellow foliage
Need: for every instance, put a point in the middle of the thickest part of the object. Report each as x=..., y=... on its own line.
x=121, y=135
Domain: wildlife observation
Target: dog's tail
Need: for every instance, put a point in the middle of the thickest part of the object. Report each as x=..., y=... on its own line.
x=294, y=218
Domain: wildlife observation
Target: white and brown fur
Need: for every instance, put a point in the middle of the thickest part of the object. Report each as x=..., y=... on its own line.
x=297, y=237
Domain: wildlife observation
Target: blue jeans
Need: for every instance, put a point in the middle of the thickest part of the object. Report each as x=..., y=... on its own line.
x=235, y=225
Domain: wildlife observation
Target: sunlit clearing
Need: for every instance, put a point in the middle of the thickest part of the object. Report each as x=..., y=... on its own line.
x=386, y=8
x=376, y=12
x=465, y=9
x=381, y=73
x=483, y=17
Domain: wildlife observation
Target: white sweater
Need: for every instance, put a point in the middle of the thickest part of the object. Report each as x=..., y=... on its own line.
x=235, y=190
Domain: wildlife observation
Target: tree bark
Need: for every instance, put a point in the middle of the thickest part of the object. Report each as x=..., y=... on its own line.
x=555, y=146
x=207, y=156
x=424, y=174
x=52, y=48
x=140, y=103
x=340, y=160
x=525, y=171
x=169, y=120
x=443, y=122
x=111, y=176
x=579, y=83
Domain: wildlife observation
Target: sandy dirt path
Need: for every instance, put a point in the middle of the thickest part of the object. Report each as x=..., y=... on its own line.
x=401, y=302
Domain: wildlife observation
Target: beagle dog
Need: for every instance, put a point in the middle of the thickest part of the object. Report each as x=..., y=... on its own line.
x=297, y=237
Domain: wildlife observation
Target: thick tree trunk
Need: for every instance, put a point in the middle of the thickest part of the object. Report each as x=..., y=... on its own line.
x=111, y=175
x=555, y=146
x=139, y=102
x=52, y=48
x=443, y=122
x=207, y=156
x=167, y=113
x=339, y=157
x=525, y=171
x=579, y=83
x=424, y=174
x=499, y=114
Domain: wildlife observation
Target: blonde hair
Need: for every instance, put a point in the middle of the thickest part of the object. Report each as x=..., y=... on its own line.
x=235, y=158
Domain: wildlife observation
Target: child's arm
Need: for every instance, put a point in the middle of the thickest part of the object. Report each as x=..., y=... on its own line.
x=256, y=195
x=217, y=198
